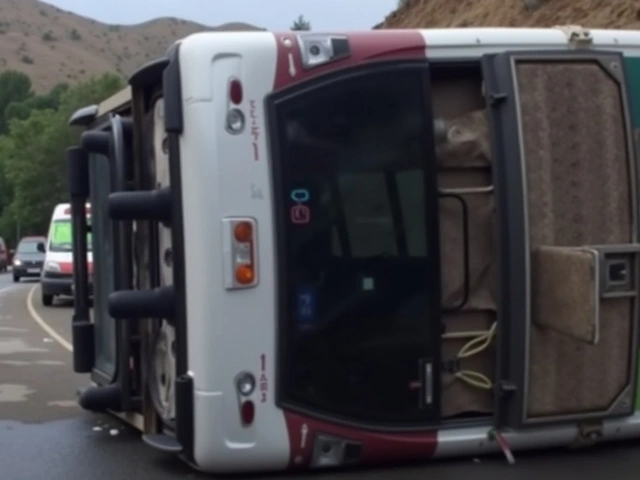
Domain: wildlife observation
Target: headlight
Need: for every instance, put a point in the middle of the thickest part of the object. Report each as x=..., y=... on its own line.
x=17, y=262
x=52, y=267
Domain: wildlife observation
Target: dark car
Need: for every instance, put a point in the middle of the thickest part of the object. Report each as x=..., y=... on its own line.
x=28, y=259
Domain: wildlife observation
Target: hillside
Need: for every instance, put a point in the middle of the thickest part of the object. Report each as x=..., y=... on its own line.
x=508, y=13
x=52, y=45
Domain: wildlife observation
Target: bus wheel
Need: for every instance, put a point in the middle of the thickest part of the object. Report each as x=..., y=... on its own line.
x=162, y=374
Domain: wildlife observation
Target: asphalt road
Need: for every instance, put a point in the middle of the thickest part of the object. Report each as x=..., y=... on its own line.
x=43, y=434
x=36, y=382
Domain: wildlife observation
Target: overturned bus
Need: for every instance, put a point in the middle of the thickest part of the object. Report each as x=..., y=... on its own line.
x=319, y=250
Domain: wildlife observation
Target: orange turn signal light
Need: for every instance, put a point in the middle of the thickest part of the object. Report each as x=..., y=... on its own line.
x=243, y=231
x=245, y=274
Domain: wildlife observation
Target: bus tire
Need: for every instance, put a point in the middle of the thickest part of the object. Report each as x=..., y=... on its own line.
x=47, y=300
x=16, y=278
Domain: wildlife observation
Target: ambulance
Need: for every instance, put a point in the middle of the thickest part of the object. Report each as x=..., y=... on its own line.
x=57, y=273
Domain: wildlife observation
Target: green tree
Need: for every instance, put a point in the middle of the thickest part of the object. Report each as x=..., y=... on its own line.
x=90, y=92
x=21, y=110
x=301, y=23
x=33, y=161
x=32, y=156
x=14, y=87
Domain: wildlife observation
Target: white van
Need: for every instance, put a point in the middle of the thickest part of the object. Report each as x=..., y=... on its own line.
x=57, y=272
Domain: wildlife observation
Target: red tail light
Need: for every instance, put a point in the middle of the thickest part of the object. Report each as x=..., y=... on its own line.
x=235, y=91
x=247, y=412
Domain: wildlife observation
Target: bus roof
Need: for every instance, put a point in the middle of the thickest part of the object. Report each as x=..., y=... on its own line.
x=114, y=102
x=87, y=115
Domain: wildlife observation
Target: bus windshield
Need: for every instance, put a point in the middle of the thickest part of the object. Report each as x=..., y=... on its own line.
x=358, y=261
x=61, y=238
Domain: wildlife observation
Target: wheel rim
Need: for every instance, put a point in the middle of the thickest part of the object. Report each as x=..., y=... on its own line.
x=164, y=373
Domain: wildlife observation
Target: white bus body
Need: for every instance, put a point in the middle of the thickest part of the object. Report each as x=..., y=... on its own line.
x=287, y=299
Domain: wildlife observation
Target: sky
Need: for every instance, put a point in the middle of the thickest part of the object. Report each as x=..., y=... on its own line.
x=270, y=14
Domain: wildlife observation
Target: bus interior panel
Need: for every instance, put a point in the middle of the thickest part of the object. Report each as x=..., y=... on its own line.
x=467, y=242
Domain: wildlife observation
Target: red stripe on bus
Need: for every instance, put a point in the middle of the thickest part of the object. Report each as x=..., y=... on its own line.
x=364, y=47
x=377, y=447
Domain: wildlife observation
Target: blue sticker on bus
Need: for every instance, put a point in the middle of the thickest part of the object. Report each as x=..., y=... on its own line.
x=306, y=304
x=300, y=195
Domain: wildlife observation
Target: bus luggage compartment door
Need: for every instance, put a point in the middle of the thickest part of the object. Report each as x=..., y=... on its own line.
x=567, y=212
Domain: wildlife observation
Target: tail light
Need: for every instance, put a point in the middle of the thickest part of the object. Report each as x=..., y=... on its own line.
x=245, y=386
x=235, y=91
x=240, y=250
x=235, y=116
x=247, y=412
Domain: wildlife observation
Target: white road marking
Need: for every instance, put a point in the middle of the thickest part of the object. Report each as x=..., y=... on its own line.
x=63, y=403
x=13, y=330
x=10, y=287
x=10, y=392
x=9, y=346
x=132, y=418
x=25, y=363
x=45, y=326
x=49, y=362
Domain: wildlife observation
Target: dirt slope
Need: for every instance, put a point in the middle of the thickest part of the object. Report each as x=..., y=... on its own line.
x=52, y=45
x=523, y=13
